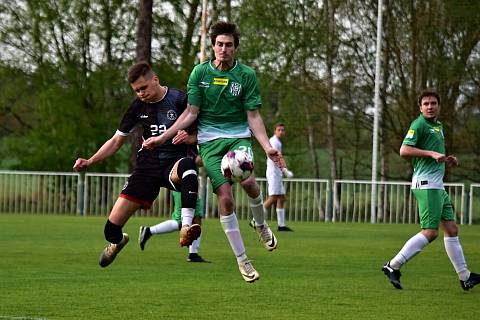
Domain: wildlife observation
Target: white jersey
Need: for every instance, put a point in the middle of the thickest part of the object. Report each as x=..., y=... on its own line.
x=274, y=174
x=272, y=168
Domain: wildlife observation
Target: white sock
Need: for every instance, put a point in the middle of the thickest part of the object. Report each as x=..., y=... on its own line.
x=281, y=217
x=455, y=253
x=232, y=231
x=258, y=211
x=164, y=227
x=195, y=246
x=187, y=216
x=412, y=247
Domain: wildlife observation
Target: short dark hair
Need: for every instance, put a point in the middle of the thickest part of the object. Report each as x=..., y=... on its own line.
x=428, y=93
x=141, y=68
x=279, y=124
x=224, y=27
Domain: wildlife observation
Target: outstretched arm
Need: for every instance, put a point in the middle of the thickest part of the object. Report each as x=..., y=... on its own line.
x=184, y=121
x=109, y=148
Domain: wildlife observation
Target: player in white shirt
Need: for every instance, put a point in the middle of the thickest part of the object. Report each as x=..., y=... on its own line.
x=276, y=189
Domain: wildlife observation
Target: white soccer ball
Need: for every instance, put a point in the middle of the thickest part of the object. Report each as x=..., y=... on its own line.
x=237, y=165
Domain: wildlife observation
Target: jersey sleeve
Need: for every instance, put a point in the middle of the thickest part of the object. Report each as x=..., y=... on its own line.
x=251, y=96
x=193, y=87
x=129, y=121
x=412, y=136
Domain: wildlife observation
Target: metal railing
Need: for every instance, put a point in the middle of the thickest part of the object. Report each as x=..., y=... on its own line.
x=307, y=199
x=38, y=192
x=474, y=202
x=395, y=201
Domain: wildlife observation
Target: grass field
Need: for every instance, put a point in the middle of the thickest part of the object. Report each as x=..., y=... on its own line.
x=49, y=270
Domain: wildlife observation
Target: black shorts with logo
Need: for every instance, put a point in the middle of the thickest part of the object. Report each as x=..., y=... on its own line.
x=143, y=186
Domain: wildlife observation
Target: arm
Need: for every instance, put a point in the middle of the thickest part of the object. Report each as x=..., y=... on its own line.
x=182, y=136
x=257, y=126
x=184, y=121
x=109, y=148
x=409, y=151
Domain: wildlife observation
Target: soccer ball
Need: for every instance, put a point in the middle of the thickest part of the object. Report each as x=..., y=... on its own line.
x=237, y=165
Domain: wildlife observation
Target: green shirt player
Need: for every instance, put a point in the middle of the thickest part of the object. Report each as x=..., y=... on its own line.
x=425, y=145
x=175, y=224
x=223, y=94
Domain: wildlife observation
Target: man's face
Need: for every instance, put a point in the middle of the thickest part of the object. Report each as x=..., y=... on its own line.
x=146, y=88
x=429, y=107
x=280, y=131
x=224, y=48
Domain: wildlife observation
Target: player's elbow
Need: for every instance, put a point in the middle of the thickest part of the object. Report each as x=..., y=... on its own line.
x=404, y=151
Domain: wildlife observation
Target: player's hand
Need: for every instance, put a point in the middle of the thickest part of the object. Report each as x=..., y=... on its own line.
x=287, y=173
x=152, y=142
x=276, y=157
x=451, y=161
x=439, y=157
x=181, y=137
x=81, y=164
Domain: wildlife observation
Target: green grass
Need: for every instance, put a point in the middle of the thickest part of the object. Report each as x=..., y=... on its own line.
x=49, y=270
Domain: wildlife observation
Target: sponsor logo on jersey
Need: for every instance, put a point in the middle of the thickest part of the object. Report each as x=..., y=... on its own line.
x=410, y=134
x=235, y=89
x=436, y=130
x=204, y=84
x=171, y=115
x=220, y=81
x=143, y=116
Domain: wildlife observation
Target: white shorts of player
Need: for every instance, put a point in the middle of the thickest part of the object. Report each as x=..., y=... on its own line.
x=275, y=184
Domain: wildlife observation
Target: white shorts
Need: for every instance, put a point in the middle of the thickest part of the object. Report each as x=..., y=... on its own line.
x=275, y=186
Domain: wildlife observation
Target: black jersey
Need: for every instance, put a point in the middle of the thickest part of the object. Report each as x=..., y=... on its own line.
x=156, y=118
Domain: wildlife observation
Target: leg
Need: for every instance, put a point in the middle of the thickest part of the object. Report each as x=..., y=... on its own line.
x=184, y=172
x=230, y=226
x=429, y=205
x=264, y=232
x=121, y=212
x=193, y=255
x=281, y=213
x=163, y=227
x=255, y=199
x=454, y=249
x=269, y=202
x=193, y=249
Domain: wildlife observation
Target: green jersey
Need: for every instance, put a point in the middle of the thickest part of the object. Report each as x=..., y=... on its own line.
x=426, y=135
x=223, y=98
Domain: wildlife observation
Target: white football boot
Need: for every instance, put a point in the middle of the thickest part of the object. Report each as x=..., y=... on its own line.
x=266, y=236
x=247, y=271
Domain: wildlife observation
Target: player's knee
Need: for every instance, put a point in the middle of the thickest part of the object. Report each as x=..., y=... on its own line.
x=226, y=203
x=113, y=233
x=430, y=234
x=186, y=167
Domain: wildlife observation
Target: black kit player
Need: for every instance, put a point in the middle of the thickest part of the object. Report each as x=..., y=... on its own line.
x=155, y=108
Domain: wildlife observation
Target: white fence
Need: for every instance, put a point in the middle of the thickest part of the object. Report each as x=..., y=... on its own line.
x=307, y=199
x=395, y=201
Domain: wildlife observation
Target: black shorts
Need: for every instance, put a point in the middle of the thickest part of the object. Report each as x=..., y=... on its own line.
x=143, y=186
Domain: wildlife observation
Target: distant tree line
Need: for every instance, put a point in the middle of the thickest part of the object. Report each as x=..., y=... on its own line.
x=64, y=88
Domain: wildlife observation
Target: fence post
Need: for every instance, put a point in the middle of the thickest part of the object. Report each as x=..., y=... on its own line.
x=81, y=193
x=329, y=206
x=466, y=209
